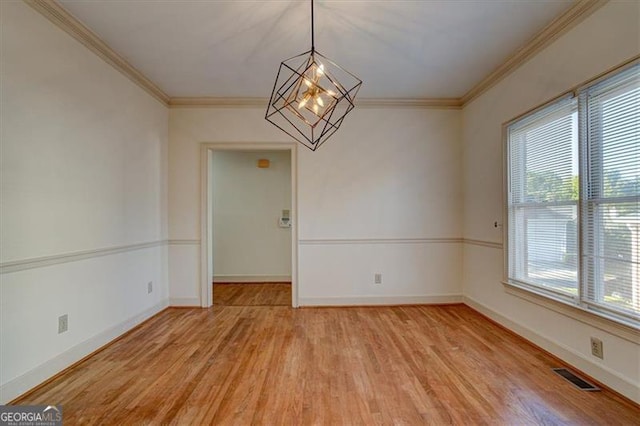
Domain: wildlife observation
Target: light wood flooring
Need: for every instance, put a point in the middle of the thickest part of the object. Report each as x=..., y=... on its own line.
x=252, y=294
x=412, y=365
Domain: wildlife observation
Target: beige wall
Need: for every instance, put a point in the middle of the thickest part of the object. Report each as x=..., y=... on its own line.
x=605, y=39
x=83, y=169
x=371, y=200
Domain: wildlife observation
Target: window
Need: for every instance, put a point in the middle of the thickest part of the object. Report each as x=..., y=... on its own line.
x=573, y=198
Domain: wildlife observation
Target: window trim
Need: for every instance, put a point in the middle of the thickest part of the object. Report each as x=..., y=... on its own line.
x=575, y=307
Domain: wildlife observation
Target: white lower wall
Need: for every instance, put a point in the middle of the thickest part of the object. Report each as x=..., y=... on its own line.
x=103, y=297
x=412, y=272
x=184, y=275
x=564, y=337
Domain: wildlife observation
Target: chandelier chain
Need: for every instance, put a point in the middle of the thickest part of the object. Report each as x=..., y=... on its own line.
x=313, y=46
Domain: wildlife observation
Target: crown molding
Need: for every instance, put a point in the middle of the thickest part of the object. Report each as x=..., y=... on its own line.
x=59, y=16
x=213, y=102
x=563, y=23
x=439, y=103
x=63, y=19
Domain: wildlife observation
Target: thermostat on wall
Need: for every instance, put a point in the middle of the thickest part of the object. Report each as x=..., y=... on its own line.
x=284, y=221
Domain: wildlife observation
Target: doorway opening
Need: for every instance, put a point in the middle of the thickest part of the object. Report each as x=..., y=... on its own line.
x=249, y=229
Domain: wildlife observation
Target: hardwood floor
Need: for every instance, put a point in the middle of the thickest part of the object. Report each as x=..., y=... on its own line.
x=277, y=365
x=252, y=294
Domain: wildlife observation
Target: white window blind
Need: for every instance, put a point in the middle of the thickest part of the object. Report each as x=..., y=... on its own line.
x=543, y=199
x=573, y=203
x=611, y=205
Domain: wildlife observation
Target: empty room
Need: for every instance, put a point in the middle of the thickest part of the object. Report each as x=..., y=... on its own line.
x=302, y=212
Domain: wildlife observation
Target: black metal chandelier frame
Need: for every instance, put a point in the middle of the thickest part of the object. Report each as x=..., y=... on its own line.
x=311, y=116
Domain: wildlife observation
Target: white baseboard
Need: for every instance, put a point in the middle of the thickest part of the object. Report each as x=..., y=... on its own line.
x=380, y=300
x=21, y=384
x=251, y=278
x=599, y=372
x=185, y=302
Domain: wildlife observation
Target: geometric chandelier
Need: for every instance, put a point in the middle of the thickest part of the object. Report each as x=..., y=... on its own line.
x=311, y=96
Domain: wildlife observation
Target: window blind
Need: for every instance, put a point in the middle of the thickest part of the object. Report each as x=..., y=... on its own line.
x=611, y=202
x=543, y=199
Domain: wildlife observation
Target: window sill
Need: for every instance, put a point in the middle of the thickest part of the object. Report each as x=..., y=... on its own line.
x=578, y=313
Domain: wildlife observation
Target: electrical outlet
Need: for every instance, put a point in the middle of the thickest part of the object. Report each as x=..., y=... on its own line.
x=377, y=279
x=63, y=323
x=596, y=348
x=149, y=286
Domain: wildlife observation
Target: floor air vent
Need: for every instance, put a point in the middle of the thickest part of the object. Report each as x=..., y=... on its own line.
x=577, y=381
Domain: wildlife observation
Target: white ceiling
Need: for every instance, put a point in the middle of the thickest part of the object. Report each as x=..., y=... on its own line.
x=399, y=48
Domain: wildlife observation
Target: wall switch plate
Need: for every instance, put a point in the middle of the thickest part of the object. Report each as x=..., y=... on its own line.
x=596, y=348
x=377, y=279
x=63, y=323
x=149, y=286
